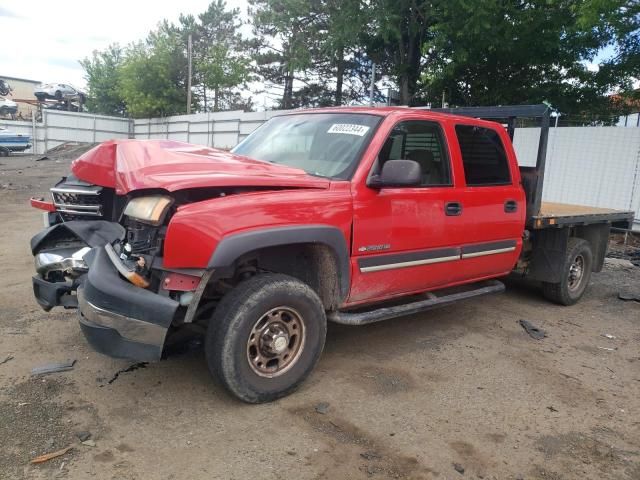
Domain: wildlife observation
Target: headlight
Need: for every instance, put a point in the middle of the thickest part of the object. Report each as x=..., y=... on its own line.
x=151, y=209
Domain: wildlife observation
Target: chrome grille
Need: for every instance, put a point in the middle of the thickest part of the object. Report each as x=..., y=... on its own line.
x=76, y=201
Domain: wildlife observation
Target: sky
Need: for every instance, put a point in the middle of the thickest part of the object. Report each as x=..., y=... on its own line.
x=44, y=40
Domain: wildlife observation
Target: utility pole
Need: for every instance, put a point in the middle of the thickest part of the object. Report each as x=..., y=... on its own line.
x=189, y=55
x=373, y=83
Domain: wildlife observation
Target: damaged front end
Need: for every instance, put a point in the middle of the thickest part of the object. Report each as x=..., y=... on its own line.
x=108, y=264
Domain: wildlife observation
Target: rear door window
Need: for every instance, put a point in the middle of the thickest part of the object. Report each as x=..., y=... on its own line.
x=483, y=156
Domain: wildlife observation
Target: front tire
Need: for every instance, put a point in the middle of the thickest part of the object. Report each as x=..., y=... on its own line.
x=576, y=273
x=58, y=95
x=265, y=337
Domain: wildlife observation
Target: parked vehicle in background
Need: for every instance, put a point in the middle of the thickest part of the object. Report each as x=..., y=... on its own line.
x=8, y=107
x=5, y=88
x=63, y=106
x=13, y=142
x=353, y=215
x=58, y=91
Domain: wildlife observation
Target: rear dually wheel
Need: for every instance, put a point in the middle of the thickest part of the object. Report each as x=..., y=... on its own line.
x=576, y=273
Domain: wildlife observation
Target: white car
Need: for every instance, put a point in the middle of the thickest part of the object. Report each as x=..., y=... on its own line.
x=8, y=107
x=58, y=91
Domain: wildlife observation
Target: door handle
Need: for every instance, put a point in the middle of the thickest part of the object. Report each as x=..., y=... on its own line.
x=452, y=209
x=510, y=206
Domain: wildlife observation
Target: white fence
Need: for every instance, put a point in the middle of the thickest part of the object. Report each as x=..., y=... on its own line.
x=60, y=127
x=595, y=166
x=219, y=129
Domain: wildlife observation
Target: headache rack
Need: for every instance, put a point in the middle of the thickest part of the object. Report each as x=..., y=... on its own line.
x=542, y=214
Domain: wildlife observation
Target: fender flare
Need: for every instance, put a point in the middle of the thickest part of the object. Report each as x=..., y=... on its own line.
x=234, y=246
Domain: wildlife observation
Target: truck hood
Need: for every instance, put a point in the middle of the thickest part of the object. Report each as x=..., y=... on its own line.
x=128, y=165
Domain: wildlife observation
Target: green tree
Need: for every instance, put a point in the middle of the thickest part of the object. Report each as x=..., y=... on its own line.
x=222, y=60
x=282, y=52
x=395, y=40
x=494, y=52
x=102, y=72
x=153, y=74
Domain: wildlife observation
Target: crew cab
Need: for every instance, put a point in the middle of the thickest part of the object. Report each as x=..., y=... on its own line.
x=352, y=215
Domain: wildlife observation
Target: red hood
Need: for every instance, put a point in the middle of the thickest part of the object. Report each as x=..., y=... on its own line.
x=128, y=165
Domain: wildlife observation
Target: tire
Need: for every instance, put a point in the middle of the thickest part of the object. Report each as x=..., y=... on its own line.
x=58, y=95
x=240, y=348
x=4, y=152
x=570, y=289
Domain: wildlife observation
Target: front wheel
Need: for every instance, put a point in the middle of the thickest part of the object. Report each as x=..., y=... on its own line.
x=575, y=274
x=265, y=337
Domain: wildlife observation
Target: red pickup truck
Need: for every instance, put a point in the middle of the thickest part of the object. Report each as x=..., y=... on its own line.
x=353, y=215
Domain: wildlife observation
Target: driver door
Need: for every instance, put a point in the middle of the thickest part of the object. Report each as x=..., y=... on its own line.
x=405, y=238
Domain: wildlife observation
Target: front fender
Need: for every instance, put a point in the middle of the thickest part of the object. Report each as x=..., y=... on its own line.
x=233, y=247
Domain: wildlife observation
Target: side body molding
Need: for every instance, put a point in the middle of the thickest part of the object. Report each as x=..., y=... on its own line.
x=232, y=247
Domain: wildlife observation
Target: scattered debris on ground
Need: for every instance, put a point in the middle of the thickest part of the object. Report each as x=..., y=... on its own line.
x=83, y=436
x=322, y=408
x=89, y=443
x=49, y=456
x=370, y=455
x=53, y=368
x=629, y=296
x=130, y=368
x=533, y=331
x=397, y=388
x=458, y=468
x=8, y=358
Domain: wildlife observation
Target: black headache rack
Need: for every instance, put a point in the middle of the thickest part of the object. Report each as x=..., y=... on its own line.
x=532, y=177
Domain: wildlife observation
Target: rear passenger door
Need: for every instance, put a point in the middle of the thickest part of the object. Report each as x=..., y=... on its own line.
x=492, y=200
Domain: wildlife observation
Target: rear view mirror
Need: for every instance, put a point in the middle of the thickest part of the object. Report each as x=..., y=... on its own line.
x=398, y=173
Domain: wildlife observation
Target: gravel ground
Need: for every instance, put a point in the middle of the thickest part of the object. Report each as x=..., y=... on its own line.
x=460, y=392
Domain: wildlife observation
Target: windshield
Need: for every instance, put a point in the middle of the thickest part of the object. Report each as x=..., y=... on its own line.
x=324, y=144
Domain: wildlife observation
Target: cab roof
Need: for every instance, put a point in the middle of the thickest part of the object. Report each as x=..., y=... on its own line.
x=390, y=111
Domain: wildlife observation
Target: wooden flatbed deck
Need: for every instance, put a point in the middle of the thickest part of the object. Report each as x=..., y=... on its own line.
x=563, y=214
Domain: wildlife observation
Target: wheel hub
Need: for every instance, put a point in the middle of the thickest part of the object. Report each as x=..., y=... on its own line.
x=576, y=271
x=275, y=339
x=275, y=342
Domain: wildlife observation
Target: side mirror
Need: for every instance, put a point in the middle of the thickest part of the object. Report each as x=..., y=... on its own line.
x=398, y=173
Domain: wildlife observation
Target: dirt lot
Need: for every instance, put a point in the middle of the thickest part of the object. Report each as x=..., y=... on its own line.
x=408, y=398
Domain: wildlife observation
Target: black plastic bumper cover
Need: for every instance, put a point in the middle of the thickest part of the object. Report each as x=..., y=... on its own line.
x=52, y=294
x=118, y=318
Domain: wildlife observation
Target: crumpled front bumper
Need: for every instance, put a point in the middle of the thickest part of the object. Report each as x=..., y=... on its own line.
x=118, y=318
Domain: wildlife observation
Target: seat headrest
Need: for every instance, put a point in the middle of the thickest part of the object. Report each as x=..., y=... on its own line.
x=421, y=156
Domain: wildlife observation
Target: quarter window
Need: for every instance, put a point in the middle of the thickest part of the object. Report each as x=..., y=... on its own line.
x=483, y=156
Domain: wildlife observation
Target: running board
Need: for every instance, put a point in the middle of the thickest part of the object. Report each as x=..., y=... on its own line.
x=436, y=299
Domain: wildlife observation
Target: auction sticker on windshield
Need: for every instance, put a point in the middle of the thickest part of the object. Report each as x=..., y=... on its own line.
x=349, y=129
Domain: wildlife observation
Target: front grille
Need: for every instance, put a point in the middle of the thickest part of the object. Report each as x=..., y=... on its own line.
x=76, y=202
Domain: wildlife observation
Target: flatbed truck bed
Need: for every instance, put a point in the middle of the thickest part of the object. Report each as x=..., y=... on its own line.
x=553, y=214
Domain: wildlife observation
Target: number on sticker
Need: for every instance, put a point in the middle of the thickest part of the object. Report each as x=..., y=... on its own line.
x=348, y=129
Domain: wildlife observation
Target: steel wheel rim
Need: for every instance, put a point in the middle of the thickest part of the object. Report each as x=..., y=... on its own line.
x=275, y=342
x=576, y=273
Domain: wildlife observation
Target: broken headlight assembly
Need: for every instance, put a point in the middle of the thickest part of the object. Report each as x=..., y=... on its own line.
x=150, y=209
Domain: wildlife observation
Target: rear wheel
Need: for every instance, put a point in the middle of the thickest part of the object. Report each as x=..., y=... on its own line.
x=58, y=95
x=576, y=274
x=265, y=337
